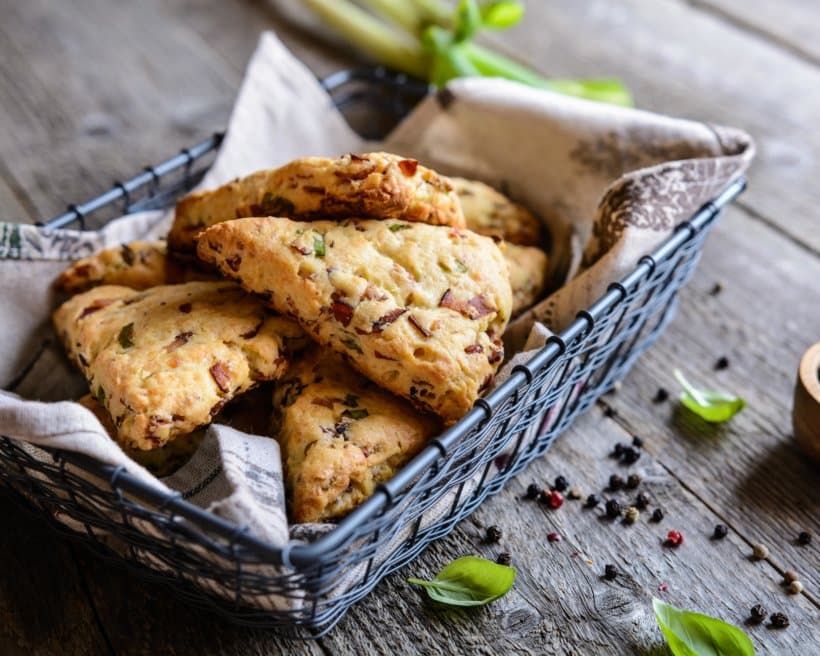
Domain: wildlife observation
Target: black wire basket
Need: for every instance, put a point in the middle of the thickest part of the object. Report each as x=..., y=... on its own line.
x=306, y=586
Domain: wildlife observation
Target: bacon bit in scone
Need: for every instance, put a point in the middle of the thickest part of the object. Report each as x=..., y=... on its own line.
x=386, y=319
x=342, y=312
x=179, y=340
x=357, y=158
x=325, y=403
x=220, y=376
x=480, y=306
x=185, y=308
x=99, y=304
x=474, y=348
x=381, y=356
x=419, y=327
x=358, y=175
x=408, y=167
x=301, y=249
x=233, y=262
x=497, y=354
x=373, y=294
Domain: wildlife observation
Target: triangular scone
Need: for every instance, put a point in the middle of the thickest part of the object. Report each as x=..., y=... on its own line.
x=138, y=265
x=419, y=309
x=340, y=435
x=373, y=185
x=164, y=361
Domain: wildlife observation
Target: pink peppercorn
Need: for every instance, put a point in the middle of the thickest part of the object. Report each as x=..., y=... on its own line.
x=556, y=499
x=674, y=538
x=554, y=537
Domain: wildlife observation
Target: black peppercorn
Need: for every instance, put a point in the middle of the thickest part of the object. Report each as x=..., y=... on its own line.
x=544, y=496
x=804, y=538
x=610, y=412
x=616, y=482
x=661, y=395
x=618, y=450
x=532, y=491
x=657, y=515
x=613, y=508
x=560, y=484
x=758, y=613
x=593, y=500
x=779, y=620
x=493, y=534
x=637, y=442
x=630, y=455
x=610, y=572
x=504, y=558
x=716, y=289
x=722, y=363
x=642, y=501
x=633, y=481
x=721, y=531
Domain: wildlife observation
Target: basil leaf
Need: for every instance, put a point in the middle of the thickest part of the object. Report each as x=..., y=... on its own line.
x=126, y=336
x=469, y=581
x=501, y=15
x=693, y=634
x=713, y=407
x=319, y=245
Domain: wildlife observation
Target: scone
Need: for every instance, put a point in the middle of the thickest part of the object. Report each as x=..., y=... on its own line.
x=489, y=212
x=419, y=309
x=528, y=274
x=165, y=360
x=340, y=435
x=373, y=185
x=138, y=265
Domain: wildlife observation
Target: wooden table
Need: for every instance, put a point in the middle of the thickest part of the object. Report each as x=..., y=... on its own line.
x=92, y=89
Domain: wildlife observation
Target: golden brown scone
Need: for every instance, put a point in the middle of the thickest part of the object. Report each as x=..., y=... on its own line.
x=165, y=360
x=373, y=185
x=340, y=435
x=489, y=212
x=528, y=274
x=138, y=265
x=419, y=309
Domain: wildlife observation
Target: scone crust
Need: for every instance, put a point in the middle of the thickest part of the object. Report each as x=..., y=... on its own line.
x=528, y=274
x=165, y=360
x=489, y=212
x=340, y=435
x=372, y=185
x=419, y=309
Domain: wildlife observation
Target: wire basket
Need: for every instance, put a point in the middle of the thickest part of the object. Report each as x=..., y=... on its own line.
x=218, y=565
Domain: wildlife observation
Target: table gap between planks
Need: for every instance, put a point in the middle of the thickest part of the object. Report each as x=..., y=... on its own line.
x=91, y=91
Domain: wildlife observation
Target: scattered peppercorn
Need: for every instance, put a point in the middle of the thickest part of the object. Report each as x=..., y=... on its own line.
x=560, y=484
x=610, y=412
x=720, y=532
x=758, y=613
x=722, y=363
x=504, y=558
x=779, y=620
x=642, y=501
x=661, y=396
x=618, y=450
x=804, y=538
x=657, y=515
x=637, y=442
x=674, y=538
x=616, y=482
x=632, y=514
x=760, y=551
x=610, y=572
x=795, y=587
x=544, y=496
x=613, y=508
x=493, y=534
x=716, y=289
x=633, y=481
x=556, y=499
x=630, y=455
x=554, y=537
x=789, y=576
x=532, y=491
x=592, y=500
x=575, y=492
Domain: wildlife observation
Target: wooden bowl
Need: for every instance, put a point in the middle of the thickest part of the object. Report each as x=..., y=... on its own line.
x=806, y=410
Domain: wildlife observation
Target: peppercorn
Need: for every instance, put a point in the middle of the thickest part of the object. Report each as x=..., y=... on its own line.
x=779, y=620
x=632, y=514
x=795, y=587
x=804, y=538
x=610, y=572
x=760, y=551
x=556, y=499
x=616, y=482
x=789, y=576
x=610, y=412
x=544, y=496
x=720, y=532
x=642, y=501
x=554, y=537
x=575, y=492
x=504, y=558
x=532, y=491
x=630, y=455
x=493, y=534
x=592, y=500
x=722, y=363
x=618, y=450
x=661, y=396
x=637, y=442
x=674, y=538
x=560, y=484
x=758, y=613
x=716, y=289
x=633, y=481
x=657, y=515
x=613, y=508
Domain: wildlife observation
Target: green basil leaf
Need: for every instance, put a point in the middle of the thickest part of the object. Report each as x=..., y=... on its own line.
x=469, y=581
x=502, y=14
x=126, y=336
x=319, y=245
x=713, y=407
x=693, y=634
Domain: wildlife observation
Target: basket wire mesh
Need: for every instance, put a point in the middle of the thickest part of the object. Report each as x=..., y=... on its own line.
x=166, y=539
